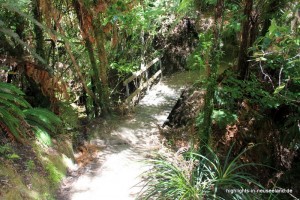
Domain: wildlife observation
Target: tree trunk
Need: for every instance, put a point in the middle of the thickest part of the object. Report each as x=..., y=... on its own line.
x=205, y=132
x=39, y=37
x=102, y=57
x=243, y=63
x=96, y=85
x=76, y=67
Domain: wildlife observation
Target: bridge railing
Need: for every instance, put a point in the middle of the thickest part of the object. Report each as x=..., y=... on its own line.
x=143, y=84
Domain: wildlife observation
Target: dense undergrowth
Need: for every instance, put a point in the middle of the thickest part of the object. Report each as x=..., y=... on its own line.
x=258, y=111
x=63, y=60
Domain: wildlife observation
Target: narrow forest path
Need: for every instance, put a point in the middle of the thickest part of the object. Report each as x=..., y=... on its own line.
x=115, y=172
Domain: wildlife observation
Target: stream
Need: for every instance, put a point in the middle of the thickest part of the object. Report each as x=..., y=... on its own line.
x=126, y=144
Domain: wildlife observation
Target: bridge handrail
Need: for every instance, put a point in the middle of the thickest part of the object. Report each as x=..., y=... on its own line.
x=140, y=72
x=143, y=85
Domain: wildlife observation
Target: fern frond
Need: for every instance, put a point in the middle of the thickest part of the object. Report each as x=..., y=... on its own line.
x=42, y=135
x=45, y=115
x=12, y=108
x=9, y=92
x=18, y=100
x=11, y=115
x=10, y=124
x=34, y=121
x=10, y=88
x=43, y=118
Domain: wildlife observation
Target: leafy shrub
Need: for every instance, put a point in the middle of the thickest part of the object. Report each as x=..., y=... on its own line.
x=221, y=117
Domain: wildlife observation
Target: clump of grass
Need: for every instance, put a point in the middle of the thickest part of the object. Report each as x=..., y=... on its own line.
x=199, y=177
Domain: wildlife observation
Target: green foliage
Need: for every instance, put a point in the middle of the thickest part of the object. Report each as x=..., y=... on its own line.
x=282, y=58
x=30, y=165
x=44, y=124
x=200, y=177
x=11, y=116
x=233, y=90
x=206, y=5
x=185, y=6
x=197, y=60
x=124, y=68
x=43, y=119
x=42, y=135
x=7, y=151
x=54, y=174
x=220, y=117
x=223, y=117
x=13, y=156
x=232, y=15
x=16, y=115
x=69, y=116
x=277, y=58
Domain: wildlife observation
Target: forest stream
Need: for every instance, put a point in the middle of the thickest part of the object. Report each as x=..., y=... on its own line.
x=119, y=165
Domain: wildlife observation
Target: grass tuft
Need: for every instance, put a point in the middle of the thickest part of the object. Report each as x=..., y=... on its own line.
x=200, y=177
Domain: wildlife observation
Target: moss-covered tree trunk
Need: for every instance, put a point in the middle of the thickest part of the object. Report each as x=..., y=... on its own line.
x=103, y=62
x=205, y=131
x=96, y=85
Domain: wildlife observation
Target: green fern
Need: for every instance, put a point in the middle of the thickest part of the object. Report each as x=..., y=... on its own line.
x=13, y=95
x=43, y=119
x=200, y=177
x=11, y=116
x=11, y=125
x=11, y=108
x=16, y=113
x=11, y=89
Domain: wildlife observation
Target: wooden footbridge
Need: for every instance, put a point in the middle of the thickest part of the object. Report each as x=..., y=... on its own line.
x=144, y=81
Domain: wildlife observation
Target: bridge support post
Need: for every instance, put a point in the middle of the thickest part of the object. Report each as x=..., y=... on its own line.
x=146, y=76
x=160, y=67
x=127, y=90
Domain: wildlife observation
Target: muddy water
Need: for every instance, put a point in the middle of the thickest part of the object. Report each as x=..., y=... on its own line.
x=126, y=144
